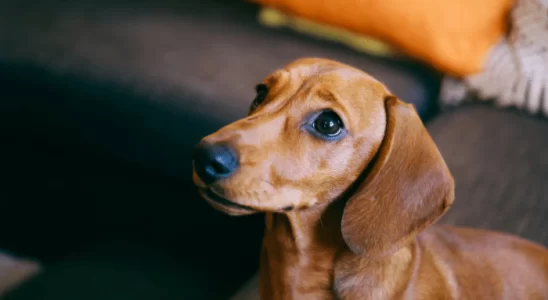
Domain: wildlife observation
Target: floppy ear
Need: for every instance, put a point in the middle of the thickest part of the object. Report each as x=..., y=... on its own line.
x=408, y=187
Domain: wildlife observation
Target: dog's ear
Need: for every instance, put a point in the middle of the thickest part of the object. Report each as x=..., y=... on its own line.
x=407, y=188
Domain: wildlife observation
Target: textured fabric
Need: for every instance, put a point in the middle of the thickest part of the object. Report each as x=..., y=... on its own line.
x=516, y=71
x=185, y=60
x=60, y=193
x=499, y=162
x=453, y=35
x=213, y=49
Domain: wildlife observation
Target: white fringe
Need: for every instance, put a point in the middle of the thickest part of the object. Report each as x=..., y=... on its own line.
x=516, y=72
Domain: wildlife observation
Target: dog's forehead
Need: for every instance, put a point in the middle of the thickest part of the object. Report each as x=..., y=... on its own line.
x=331, y=73
x=359, y=95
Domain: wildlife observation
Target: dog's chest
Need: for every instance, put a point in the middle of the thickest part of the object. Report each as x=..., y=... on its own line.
x=294, y=267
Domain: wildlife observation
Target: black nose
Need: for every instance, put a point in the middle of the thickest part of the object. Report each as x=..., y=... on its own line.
x=214, y=161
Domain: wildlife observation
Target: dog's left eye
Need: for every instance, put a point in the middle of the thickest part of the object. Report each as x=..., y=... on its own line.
x=328, y=123
x=262, y=91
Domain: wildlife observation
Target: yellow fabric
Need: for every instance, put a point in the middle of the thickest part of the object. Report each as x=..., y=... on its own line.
x=455, y=36
x=275, y=18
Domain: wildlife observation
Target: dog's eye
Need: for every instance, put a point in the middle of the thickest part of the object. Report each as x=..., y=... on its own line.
x=262, y=91
x=328, y=123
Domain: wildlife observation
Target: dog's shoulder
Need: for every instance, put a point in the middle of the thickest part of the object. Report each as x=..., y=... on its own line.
x=486, y=262
x=450, y=263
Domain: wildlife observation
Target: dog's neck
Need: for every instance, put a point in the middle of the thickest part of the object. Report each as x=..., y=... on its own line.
x=299, y=250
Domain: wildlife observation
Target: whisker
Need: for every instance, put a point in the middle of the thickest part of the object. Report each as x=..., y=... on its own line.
x=268, y=182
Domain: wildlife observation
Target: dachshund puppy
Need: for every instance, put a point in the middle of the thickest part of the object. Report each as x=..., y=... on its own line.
x=350, y=182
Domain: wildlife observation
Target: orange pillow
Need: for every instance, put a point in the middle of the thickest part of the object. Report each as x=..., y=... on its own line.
x=454, y=36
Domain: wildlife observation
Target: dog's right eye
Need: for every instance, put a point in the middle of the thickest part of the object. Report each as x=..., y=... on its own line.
x=262, y=91
x=326, y=125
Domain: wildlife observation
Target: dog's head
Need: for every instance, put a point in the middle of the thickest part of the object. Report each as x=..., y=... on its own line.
x=314, y=127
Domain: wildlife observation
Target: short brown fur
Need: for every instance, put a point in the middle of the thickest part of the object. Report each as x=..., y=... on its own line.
x=352, y=219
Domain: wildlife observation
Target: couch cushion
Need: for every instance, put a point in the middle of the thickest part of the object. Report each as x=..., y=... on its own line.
x=183, y=58
x=211, y=48
x=499, y=161
x=423, y=28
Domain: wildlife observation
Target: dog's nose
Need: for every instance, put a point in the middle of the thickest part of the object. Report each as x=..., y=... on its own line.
x=214, y=161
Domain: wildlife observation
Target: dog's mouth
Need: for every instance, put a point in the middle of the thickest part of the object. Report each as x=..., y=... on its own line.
x=213, y=197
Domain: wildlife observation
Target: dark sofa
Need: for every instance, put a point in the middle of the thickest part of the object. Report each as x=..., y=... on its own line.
x=102, y=103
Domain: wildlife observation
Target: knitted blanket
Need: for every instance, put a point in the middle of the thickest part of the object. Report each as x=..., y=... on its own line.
x=516, y=72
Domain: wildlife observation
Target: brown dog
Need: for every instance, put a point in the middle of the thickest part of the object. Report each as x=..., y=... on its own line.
x=350, y=180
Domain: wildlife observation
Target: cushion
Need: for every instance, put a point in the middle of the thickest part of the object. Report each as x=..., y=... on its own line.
x=454, y=36
x=516, y=71
x=139, y=75
x=275, y=18
x=498, y=159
